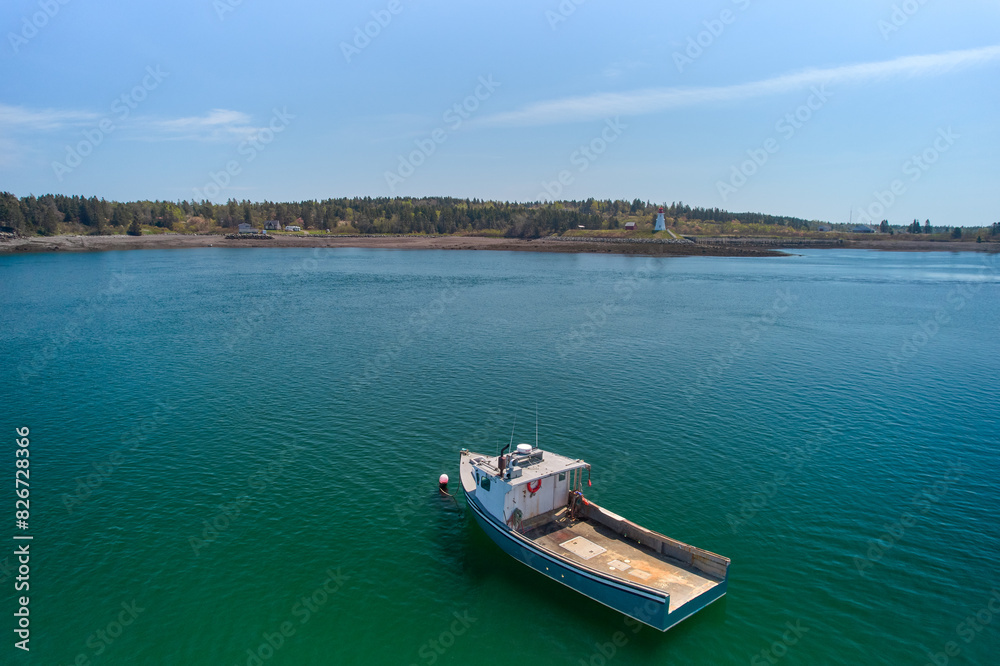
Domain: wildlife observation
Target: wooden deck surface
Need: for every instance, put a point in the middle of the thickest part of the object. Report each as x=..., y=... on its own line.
x=622, y=558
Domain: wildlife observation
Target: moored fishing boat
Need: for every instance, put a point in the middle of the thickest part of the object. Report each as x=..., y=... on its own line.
x=530, y=502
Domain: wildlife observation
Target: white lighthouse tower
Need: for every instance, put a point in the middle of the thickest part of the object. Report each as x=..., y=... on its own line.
x=660, y=224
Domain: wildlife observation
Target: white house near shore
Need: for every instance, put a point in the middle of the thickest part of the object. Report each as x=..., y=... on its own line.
x=292, y=227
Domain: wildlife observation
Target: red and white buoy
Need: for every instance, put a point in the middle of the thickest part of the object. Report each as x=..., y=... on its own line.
x=443, y=483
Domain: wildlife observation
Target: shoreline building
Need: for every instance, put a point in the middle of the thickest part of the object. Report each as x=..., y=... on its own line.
x=660, y=224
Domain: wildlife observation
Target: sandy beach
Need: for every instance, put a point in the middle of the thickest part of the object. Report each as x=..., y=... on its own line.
x=744, y=248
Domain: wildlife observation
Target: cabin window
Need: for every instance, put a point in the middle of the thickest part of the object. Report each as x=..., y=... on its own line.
x=562, y=476
x=485, y=482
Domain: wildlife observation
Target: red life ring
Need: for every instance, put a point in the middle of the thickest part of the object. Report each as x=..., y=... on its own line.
x=538, y=484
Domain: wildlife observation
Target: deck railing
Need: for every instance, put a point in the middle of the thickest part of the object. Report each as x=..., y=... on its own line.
x=702, y=560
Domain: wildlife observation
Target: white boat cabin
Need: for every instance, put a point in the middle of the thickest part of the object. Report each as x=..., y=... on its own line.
x=527, y=484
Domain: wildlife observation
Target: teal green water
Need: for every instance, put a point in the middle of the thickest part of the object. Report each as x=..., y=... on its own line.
x=236, y=443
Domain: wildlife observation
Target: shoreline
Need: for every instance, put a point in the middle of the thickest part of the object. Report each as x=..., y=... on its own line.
x=769, y=247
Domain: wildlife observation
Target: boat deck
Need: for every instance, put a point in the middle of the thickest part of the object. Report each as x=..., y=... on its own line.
x=600, y=548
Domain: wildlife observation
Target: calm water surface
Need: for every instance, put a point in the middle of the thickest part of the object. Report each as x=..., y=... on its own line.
x=235, y=452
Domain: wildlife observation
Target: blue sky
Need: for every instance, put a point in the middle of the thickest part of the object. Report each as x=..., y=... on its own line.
x=806, y=109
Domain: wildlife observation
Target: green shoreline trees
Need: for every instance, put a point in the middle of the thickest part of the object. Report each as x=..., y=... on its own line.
x=55, y=213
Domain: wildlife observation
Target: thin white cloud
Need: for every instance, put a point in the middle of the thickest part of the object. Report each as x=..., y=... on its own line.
x=216, y=125
x=19, y=117
x=651, y=100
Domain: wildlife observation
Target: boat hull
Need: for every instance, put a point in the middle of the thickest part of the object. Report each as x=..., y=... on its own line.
x=644, y=604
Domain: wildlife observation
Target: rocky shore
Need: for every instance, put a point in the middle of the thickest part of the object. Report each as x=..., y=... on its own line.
x=729, y=247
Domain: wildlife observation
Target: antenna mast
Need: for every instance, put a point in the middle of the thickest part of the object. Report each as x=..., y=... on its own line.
x=536, y=424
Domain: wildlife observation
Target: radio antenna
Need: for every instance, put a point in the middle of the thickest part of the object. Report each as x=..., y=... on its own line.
x=536, y=424
x=512, y=430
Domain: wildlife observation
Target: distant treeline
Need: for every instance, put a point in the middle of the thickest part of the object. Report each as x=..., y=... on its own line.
x=53, y=213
